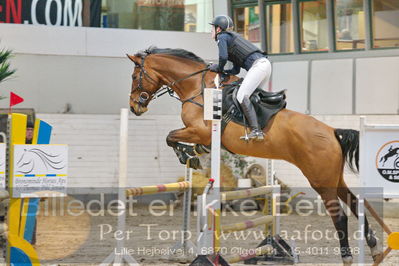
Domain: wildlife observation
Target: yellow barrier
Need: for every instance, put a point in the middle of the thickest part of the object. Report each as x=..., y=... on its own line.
x=247, y=224
x=172, y=187
x=246, y=193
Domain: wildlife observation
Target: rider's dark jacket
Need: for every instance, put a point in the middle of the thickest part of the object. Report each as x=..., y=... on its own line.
x=241, y=52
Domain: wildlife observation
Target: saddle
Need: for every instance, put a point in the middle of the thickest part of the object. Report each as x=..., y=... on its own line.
x=266, y=105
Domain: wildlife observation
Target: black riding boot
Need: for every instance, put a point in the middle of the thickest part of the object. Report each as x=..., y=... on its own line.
x=250, y=114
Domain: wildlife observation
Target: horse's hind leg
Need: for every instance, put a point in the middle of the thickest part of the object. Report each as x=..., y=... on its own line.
x=346, y=195
x=340, y=220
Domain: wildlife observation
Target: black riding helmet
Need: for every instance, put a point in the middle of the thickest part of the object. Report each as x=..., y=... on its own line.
x=222, y=21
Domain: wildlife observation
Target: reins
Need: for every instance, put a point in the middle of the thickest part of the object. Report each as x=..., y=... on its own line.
x=144, y=95
x=168, y=89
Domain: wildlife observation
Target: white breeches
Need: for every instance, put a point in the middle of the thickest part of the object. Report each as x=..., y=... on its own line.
x=257, y=77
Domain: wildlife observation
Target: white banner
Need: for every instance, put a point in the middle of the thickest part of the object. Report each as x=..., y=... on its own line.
x=40, y=170
x=379, y=153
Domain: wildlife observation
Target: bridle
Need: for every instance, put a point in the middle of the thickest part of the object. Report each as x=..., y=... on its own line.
x=145, y=95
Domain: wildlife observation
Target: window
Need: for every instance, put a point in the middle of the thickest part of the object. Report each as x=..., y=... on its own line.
x=280, y=37
x=314, y=26
x=176, y=15
x=385, y=21
x=246, y=21
x=349, y=24
x=349, y=18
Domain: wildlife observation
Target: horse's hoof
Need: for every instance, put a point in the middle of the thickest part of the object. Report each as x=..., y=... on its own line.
x=377, y=257
x=194, y=163
x=200, y=149
x=375, y=251
x=347, y=260
x=183, y=158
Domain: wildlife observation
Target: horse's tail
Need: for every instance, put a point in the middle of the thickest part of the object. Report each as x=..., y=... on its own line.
x=349, y=141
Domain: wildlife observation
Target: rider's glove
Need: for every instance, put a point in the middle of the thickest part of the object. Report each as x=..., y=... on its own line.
x=214, y=68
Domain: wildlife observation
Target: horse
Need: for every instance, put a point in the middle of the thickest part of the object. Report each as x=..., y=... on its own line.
x=318, y=150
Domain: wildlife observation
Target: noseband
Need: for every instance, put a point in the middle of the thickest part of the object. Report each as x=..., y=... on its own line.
x=145, y=95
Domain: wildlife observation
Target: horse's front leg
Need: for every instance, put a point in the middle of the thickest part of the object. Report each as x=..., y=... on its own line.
x=185, y=152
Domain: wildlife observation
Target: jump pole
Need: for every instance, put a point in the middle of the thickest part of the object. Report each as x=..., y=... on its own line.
x=209, y=203
x=273, y=228
x=185, y=244
x=171, y=187
x=115, y=257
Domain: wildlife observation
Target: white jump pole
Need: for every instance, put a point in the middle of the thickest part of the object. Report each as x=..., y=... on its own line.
x=208, y=242
x=360, y=207
x=185, y=244
x=116, y=257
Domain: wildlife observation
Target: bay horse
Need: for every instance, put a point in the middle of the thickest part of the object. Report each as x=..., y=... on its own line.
x=318, y=150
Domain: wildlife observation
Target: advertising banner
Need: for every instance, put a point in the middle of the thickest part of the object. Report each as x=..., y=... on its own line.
x=48, y=12
x=379, y=164
x=39, y=170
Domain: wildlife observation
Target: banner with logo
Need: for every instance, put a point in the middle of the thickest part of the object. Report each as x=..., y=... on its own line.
x=48, y=12
x=40, y=170
x=379, y=153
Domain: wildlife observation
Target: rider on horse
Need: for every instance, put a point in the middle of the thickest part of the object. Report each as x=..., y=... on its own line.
x=243, y=54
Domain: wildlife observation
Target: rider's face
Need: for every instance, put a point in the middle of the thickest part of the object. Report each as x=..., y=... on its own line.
x=215, y=30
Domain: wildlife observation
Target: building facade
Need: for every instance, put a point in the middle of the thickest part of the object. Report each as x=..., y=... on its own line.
x=332, y=56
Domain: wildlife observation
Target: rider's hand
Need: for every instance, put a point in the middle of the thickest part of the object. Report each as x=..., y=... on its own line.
x=214, y=68
x=225, y=76
x=227, y=73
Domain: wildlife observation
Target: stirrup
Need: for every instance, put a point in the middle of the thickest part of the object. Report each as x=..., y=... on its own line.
x=255, y=134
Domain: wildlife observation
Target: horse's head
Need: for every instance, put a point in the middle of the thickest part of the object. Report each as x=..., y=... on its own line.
x=145, y=83
x=161, y=70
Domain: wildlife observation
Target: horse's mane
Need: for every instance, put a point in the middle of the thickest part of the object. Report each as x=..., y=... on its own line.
x=168, y=51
